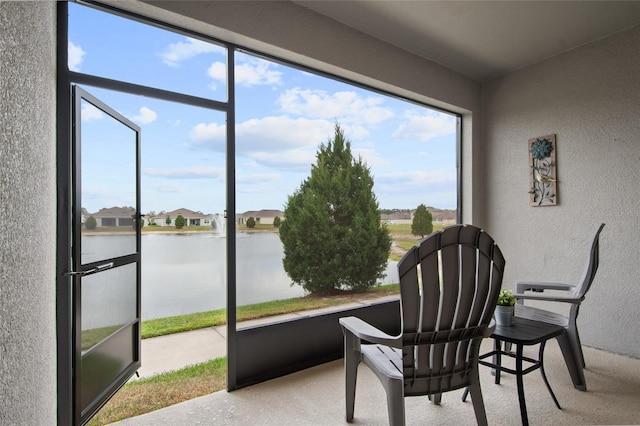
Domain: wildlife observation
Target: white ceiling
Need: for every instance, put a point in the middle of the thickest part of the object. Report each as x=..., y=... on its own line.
x=483, y=39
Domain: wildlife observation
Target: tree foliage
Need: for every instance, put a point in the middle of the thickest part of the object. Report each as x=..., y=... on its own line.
x=332, y=236
x=422, y=223
x=251, y=222
x=168, y=220
x=90, y=223
x=180, y=222
x=276, y=222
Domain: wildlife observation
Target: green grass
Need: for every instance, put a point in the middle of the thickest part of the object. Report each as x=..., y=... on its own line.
x=258, y=228
x=405, y=229
x=173, y=229
x=399, y=229
x=406, y=244
x=181, y=323
x=152, y=393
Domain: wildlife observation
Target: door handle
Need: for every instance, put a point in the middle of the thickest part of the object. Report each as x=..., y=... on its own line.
x=98, y=268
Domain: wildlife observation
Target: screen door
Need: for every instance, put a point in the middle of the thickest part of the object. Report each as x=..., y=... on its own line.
x=106, y=252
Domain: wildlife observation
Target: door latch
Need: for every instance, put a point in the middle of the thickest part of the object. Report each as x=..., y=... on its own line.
x=99, y=268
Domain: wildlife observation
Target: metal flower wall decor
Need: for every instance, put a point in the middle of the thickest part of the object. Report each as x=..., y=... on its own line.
x=542, y=180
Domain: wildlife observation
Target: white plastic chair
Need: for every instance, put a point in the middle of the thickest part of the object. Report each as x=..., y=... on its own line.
x=574, y=294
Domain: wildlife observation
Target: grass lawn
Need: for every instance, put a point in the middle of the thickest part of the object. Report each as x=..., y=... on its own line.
x=149, y=394
x=181, y=323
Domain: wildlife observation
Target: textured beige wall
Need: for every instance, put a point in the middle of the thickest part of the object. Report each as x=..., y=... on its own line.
x=590, y=98
x=27, y=213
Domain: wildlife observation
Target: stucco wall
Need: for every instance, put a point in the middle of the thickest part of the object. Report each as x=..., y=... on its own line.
x=27, y=192
x=590, y=98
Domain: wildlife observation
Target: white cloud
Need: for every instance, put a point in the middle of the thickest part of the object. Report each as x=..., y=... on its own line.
x=345, y=105
x=183, y=50
x=273, y=134
x=282, y=141
x=425, y=126
x=252, y=72
x=218, y=72
x=258, y=178
x=209, y=136
x=97, y=193
x=194, y=172
x=90, y=112
x=282, y=133
x=169, y=187
x=370, y=157
x=290, y=160
x=146, y=116
x=409, y=180
x=256, y=72
x=76, y=55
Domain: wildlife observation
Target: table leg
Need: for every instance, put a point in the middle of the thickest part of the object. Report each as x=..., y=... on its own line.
x=544, y=376
x=523, y=405
x=497, y=358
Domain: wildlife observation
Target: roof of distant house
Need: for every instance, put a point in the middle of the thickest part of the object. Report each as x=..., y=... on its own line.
x=115, y=212
x=261, y=213
x=186, y=213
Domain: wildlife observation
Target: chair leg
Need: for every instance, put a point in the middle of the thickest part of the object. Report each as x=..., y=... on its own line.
x=573, y=358
x=572, y=330
x=478, y=403
x=395, y=402
x=435, y=398
x=579, y=345
x=351, y=360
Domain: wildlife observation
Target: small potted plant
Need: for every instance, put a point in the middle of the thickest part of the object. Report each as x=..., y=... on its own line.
x=505, y=308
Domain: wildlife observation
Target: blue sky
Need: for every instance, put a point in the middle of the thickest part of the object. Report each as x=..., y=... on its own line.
x=282, y=116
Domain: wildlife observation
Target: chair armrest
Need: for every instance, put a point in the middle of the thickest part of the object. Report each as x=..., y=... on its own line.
x=522, y=286
x=369, y=333
x=548, y=298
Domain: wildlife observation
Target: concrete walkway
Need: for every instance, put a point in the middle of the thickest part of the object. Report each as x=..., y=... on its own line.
x=175, y=351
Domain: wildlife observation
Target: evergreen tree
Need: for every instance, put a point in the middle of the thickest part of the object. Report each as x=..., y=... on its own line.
x=90, y=223
x=180, y=221
x=251, y=222
x=332, y=236
x=168, y=220
x=276, y=222
x=422, y=223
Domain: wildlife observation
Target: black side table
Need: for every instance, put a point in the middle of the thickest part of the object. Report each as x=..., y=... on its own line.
x=523, y=332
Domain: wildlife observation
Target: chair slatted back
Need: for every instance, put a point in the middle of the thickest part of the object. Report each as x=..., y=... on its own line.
x=449, y=285
x=591, y=267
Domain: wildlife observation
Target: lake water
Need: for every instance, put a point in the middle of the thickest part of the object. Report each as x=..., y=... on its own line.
x=185, y=273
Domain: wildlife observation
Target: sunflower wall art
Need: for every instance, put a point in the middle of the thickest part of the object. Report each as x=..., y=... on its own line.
x=542, y=171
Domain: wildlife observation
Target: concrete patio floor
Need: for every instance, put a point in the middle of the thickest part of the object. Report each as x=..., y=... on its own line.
x=316, y=397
